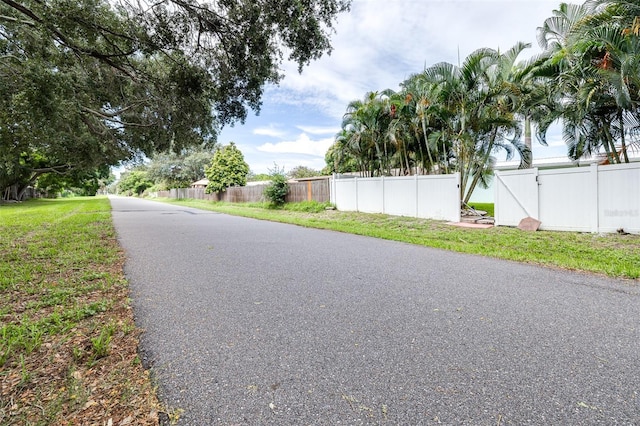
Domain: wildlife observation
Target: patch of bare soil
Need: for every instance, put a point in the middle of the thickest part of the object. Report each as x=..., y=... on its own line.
x=87, y=372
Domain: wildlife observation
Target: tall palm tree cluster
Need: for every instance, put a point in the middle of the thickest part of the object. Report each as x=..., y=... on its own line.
x=454, y=118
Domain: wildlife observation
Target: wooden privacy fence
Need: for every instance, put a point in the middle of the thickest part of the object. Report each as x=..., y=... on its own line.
x=310, y=190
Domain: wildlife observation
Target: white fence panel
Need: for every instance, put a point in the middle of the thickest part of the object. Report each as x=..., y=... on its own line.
x=586, y=199
x=516, y=196
x=370, y=195
x=619, y=198
x=399, y=196
x=439, y=197
x=344, y=193
x=430, y=197
x=566, y=199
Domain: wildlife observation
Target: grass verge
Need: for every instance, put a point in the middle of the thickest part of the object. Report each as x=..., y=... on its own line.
x=613, y=255
x=68, y=343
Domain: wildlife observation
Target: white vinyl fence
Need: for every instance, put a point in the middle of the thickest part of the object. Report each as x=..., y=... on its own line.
x=584, y=199
x=430, y=197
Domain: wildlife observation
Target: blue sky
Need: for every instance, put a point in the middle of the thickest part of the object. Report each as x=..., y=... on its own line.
x=376, y=46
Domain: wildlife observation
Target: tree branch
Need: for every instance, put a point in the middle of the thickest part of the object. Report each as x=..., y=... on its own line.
x=112, y=118
x=53, y=169
x=62, y=38
x=16, y=20
x=105, y=114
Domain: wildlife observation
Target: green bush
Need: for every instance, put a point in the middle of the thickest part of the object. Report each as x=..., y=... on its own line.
x=276, y=191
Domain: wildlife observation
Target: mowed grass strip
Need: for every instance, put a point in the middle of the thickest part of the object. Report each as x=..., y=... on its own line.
x=613, y=255
x=68, y=343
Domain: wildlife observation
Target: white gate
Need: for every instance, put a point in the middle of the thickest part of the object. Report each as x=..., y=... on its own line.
x=516, y=196
x=583, y=199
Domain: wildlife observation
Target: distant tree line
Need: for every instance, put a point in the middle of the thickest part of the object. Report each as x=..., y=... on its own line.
x=222, y=166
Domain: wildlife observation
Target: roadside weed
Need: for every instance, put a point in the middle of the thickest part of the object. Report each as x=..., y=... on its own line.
x=100, y=344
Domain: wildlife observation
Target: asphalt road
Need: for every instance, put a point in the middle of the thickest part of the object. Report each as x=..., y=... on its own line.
x=256, y=323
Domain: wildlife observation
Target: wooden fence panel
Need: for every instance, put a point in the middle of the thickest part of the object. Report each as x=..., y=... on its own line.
x=317, y=190
x=296, y=192
x=321, y=190
x=243, y=194
x=310, y=190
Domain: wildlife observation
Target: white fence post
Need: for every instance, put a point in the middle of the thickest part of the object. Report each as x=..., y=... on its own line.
x=332, y=190
x=595, y=197
x=383, y=190
x=415, y=189
x=355, y=179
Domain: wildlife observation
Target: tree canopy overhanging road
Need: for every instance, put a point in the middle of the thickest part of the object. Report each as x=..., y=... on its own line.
x=90, y=83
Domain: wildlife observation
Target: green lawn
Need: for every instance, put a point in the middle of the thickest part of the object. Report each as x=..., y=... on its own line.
x=611, y=254
x=68, y=343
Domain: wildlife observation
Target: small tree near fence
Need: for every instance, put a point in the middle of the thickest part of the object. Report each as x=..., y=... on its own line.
x=228, y=168
x=276, y=192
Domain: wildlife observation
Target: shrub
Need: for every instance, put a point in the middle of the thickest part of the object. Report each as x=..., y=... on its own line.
x=276, y=191
x=228, y=168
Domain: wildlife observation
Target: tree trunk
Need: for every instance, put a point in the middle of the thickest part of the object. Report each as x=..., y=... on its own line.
x=623, y=147
x=11, y=193
x=527, y=139
x=612, y=146
x=426, y=143
x=483, y=165
x=21, y=193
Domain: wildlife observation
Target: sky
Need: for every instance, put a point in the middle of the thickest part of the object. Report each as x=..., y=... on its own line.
x=376, y=46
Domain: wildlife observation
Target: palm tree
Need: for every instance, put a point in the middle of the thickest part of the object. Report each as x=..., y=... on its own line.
x=400, y=132
x=367, y=125
x=480, y=101
x=357, y=133
x=339, y=157
x=591, y=65
x=419, y=96
x=614, y=90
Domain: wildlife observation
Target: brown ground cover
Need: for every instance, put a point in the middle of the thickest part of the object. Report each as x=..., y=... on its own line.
x=68, y=342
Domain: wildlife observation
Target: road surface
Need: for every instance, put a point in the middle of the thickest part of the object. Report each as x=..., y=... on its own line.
x=250, y=322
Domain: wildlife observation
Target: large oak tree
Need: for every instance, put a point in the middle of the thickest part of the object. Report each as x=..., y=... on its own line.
x=93, y=82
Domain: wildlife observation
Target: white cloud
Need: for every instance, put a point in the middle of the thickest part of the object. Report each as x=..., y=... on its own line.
x=302, y=145
x=270, y=130
x=320, y=130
